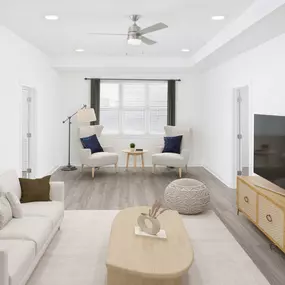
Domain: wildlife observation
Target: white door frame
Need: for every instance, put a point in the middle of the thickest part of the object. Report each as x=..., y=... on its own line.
x=28, y=132
x=237, y=159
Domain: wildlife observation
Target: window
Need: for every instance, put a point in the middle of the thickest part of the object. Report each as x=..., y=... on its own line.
x=133, y=108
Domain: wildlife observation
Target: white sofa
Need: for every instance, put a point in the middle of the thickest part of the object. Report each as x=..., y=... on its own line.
x=24, y=241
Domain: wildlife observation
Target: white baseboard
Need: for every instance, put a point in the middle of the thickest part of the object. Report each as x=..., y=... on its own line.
x=53, y=170
x=218, y=177
x=195, y=165
x=150, y=165
x=124, y=165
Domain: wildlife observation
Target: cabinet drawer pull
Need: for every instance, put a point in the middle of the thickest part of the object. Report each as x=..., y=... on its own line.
x=246, y=200
x=269, y=218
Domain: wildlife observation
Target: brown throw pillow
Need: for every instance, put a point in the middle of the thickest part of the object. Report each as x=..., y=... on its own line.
x=34, y=190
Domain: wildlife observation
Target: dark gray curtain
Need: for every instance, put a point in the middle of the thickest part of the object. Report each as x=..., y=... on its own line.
x=171, y=99
x=95, y=99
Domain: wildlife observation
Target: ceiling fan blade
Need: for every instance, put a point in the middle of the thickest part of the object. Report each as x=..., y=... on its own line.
x=107, y=34
x=156, y=27
x=148, y=41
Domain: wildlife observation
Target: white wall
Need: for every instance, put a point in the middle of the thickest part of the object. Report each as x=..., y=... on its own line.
x=263, y=69
x=76, y=92
x=23, y=64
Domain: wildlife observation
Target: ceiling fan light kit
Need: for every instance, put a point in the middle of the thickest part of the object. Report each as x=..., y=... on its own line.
x=135, y=35
x=134, y=42
x=51, y=17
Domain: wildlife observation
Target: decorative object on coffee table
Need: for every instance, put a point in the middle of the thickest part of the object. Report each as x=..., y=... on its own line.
x=134, y=260
x=132, y=147
x=152, y=215
x=187, y=196
x=134, y=153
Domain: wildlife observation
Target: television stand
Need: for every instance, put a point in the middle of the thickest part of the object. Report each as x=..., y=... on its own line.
x=263, y=203
x=274, y=189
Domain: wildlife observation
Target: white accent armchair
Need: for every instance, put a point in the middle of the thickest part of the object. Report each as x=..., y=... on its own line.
x=108, y=157
x=174, y=159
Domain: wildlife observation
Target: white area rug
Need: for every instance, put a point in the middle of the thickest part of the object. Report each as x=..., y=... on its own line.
x=77, y=254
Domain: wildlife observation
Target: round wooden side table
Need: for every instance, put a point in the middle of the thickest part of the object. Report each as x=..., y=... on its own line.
x=135, y=153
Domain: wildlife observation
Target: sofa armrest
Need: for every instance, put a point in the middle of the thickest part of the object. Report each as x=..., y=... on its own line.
x=108, y=149
x=84, y=154
x=158, y=149
x=185, y=153
x=57, y=191
x=4, y=276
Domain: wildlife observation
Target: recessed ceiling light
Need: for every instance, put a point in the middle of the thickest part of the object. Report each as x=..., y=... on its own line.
x=185, y=50
x=52, y=17
x=218, y=18
x=80, y=50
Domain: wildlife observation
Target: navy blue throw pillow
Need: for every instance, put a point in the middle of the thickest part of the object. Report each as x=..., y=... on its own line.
x=172, y=144
x=92, y=143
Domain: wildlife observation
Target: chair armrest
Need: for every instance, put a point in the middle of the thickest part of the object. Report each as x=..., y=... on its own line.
x=84, y=154
x=108, y=149
x=158, y=149
x=4, y=277
x=185, y=153
x=57, y=191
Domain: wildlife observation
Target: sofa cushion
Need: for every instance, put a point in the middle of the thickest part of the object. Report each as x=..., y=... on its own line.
x=103, y=158
x=52, y=210
x=9, y=182
x=172, y=144
x=15, y=204
x=171, y=131
x=92, y=143
x=36, y=229
x=168, y=159
x=21, y=254
x=5, y=211
x=35, y=189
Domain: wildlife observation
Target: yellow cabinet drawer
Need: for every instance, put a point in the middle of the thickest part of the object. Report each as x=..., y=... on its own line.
x=271, y=220
x=247, y=200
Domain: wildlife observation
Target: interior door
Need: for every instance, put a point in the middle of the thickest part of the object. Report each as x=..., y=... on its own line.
x=242, y=131
x=27, y=131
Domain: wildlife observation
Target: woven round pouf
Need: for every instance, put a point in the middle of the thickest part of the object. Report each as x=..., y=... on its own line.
x=187, y=196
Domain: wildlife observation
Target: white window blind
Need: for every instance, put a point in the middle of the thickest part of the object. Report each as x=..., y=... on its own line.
x=133, y=108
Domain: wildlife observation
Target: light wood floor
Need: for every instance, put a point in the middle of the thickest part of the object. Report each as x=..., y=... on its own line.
x=124, y=189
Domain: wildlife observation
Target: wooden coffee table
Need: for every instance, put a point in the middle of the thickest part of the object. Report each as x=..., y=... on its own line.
x=134, y=154
x=137, y=260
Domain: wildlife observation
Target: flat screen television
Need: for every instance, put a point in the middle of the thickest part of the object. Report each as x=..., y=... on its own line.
x=269, y=148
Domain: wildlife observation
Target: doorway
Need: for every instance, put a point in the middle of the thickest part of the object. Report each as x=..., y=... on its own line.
x=242, y=131
x=28, y=146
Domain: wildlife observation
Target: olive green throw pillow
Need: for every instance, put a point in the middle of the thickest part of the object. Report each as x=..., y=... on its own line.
x=34, y=190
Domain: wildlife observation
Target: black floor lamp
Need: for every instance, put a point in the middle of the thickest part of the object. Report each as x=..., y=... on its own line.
x=70, y=167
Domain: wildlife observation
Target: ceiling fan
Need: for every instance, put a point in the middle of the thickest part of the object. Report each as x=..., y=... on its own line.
x=135, y=34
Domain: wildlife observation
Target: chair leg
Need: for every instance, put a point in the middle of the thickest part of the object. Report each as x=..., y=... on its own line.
x=82, y=166
x=153, y=168
x=186, y=168
x=93, y=172
x=116, y=167
x=180, y=172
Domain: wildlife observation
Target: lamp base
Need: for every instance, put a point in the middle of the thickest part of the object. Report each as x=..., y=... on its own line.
x=68, y=168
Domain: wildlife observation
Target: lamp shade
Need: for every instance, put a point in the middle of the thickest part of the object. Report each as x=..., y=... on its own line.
x=86, y=115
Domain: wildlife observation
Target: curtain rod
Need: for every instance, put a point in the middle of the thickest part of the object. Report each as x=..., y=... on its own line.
x=131, y=79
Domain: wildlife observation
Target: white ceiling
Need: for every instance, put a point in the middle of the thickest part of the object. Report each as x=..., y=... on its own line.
x=189, y=21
